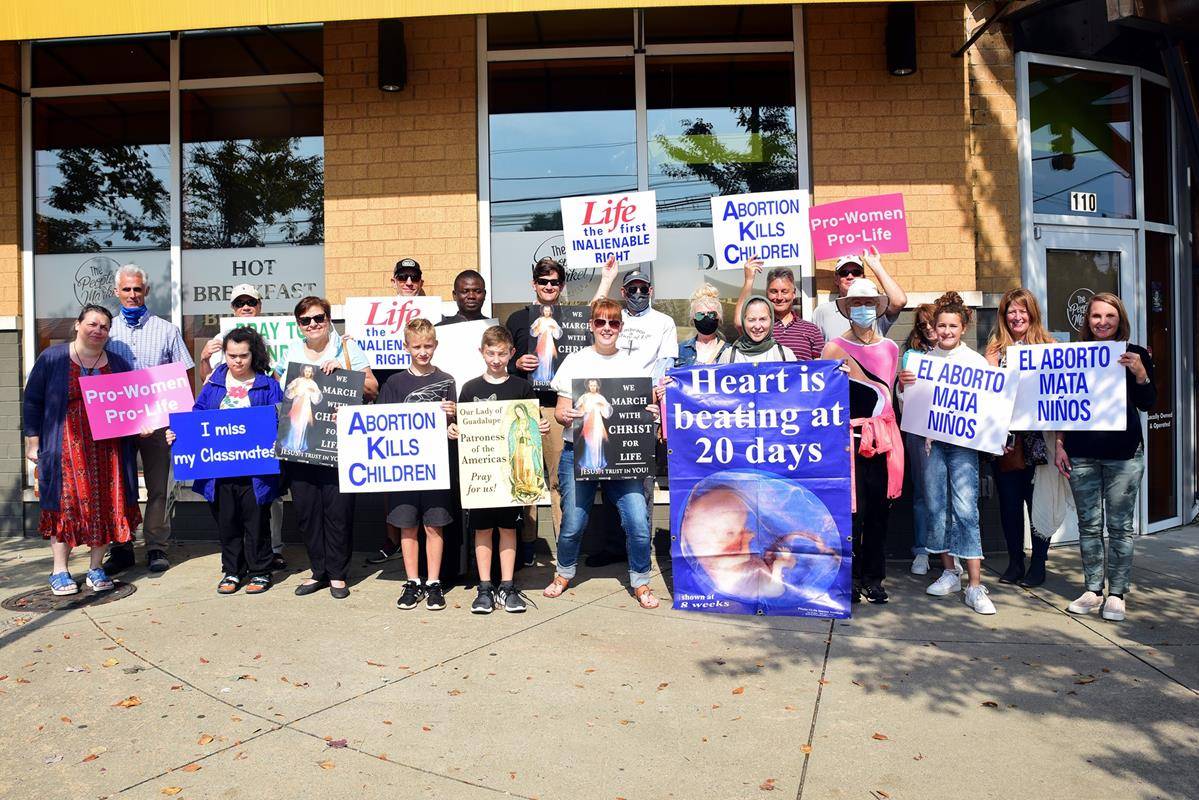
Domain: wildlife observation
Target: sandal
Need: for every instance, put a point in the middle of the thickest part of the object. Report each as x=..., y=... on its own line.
x=645, y=596
x=557, y=587
x=258, y=584
x=228, y=585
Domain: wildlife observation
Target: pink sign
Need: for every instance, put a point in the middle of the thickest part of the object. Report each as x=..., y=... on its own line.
x=127, y=403
x=850, y=226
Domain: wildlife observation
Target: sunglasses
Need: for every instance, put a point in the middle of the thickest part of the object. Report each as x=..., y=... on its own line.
x=242, y=302
x=315, y=319
x=604, y=322
x=637, y=290
x=857, y=272
x=548, y=282
x=701, y=315
x=408, y=277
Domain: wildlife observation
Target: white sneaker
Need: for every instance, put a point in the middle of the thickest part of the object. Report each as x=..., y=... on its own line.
x=920, y=564
x=948, y=583
x=1086, y=604
x=976, y=598
x=1113, y=609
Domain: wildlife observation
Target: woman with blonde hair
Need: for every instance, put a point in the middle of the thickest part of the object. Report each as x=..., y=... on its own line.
x=1019, y=322
x=707, y=314
x=1105, y=469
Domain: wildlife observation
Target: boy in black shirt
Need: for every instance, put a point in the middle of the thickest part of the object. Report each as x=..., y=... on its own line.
x=409, y=511
x=496, y=385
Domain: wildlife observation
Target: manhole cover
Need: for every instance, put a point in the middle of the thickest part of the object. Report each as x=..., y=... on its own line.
x=41, y=601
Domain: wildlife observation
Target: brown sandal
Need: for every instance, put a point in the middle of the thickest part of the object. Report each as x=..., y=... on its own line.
x=557, y=587
x=645, y=596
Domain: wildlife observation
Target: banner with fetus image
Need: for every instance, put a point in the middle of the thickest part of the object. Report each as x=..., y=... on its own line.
x=616, y=437
x=556, y=331
x=760, y=488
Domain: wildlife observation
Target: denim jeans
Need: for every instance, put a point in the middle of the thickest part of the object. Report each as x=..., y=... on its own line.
x=578, y=497
x=913, y=448
x=951, y=494
x=1104, y=487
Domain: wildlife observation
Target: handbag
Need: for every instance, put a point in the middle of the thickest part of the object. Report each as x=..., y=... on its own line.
x=1052, y=499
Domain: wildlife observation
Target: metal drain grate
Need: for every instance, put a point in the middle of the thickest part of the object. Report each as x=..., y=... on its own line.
x=42, y=601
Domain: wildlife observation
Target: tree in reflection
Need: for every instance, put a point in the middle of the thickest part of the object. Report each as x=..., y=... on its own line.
x=252, y=192
x=544, y=221
x=114, y=199
x=768, y=165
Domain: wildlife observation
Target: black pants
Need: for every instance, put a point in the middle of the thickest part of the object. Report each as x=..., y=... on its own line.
x=325, y=519
x=244, y=528
x=870, y=521
x=1015, y=493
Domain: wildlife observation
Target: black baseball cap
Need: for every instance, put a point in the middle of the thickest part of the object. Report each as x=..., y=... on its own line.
x=407, y=265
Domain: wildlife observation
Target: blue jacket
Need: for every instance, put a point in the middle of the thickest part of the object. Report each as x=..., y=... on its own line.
x=44, y=415
x=687, y=353
x=264, y=392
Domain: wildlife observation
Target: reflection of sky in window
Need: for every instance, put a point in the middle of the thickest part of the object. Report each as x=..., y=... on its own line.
x=275, y=234
x=537, y=158
x=1094, y=170
x=47, y=176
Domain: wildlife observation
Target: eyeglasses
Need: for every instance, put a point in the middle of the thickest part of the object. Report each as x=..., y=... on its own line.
x=548, y=282
x=857, y=272
x=315, y=319
x=242, y=302
x=637, y=290
x=408, y=277
x=603, y=322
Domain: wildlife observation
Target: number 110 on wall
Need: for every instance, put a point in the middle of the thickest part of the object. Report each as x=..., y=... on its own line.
x=1087, y=202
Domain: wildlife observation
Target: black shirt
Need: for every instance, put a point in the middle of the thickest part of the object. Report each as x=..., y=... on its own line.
x=1118, y=445
x=404, y=387
x=518, y=326
x=478, y=390
x=459, y=317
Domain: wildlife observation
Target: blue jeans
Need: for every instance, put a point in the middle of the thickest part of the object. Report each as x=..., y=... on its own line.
x=913, y=447
x=1104, y=487
x=578, y=497
x=951, y=494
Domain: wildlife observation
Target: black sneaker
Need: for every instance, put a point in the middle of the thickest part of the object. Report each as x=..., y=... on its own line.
x=156, y=560
x=527, y=554
x=278, y=562
x=383, y=555
x=875, y=593
x=434, y=597
x=485, y=601
x=119, y=558
x=511, y=599
x=413, y=592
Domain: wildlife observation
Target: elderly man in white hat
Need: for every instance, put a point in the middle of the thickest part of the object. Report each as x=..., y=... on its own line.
x=833, y=323
x=246, y=302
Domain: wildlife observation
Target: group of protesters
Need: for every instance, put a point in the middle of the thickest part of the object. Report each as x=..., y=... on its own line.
x=88, y=488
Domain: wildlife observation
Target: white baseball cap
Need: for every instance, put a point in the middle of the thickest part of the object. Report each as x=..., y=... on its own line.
x=245, y=290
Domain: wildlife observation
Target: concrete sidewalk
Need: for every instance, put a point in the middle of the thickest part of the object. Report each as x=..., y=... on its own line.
x=175, y=691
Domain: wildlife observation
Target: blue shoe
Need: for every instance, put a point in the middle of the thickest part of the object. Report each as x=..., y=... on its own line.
x=98, y=580
x=61, y=583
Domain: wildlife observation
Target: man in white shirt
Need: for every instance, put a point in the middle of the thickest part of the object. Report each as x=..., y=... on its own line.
x=833, y=323
x=649, y=337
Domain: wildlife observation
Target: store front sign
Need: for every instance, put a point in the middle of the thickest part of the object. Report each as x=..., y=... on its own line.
x=63, y=284
x=283, y=275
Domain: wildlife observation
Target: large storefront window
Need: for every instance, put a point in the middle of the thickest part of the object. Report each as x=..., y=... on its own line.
x=666, y=114
x=101, y=171
x=249, y=181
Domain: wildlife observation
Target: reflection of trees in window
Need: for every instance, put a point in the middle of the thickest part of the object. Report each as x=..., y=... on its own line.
x=769, y=164
x=114, y=199
x=252, y=192
x=544, y=221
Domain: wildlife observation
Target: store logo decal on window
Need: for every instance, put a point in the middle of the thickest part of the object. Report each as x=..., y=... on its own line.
x=1076, y=307
x=94, y=281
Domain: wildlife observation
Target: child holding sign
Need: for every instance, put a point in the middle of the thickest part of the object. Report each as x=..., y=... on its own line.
x=952, y=473
x=410, y=511
x=492, y=386
x=241, y=506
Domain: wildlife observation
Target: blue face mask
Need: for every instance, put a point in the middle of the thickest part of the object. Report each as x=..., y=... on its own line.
x=863, y=316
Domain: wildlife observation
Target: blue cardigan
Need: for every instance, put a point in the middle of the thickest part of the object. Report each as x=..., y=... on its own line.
x=264, y=392
x=44, y=415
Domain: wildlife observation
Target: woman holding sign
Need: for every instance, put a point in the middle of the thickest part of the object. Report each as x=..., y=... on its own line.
x=1019, y=322
x=1105, y=469
x=601, y=360
x=871, y=360
x=325, y=515
x=951, y=475
x=87, y=489
x=241, y=506
x=921, y=340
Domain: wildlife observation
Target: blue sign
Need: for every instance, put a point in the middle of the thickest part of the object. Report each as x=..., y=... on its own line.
x=760, y=488
x=233, y=443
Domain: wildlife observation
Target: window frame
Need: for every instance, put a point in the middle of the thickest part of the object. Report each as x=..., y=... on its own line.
x=638, y=51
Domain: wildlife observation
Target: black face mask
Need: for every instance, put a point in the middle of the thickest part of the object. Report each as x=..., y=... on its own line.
x=706, y=323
